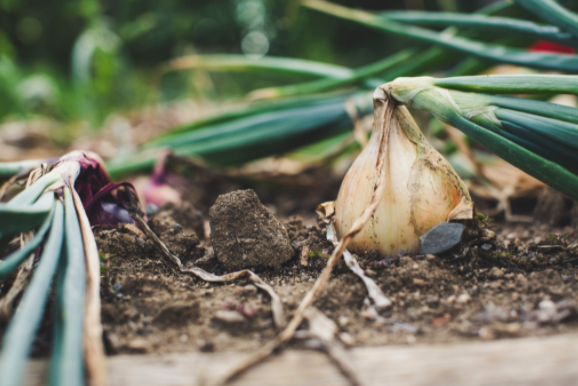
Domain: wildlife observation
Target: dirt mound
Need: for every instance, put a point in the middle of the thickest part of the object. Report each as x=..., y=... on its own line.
x=245, y=234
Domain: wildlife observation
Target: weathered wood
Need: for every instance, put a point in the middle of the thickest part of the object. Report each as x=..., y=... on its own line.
x=529, y=361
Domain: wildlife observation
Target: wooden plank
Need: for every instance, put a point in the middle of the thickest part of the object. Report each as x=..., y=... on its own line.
x=529, y=361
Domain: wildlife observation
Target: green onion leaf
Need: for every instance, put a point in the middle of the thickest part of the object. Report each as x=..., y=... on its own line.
x=67, y=364
x=497, y=53
x=15, y=219
x=22, y=329
x=497, y=24
x=553, y=13
x=11, y=262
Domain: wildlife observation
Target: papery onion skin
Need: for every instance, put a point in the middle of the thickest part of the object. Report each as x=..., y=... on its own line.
x=421, y=186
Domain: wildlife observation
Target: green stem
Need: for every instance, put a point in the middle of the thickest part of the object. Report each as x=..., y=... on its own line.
x=553, y=13
x=67, y=363
x=22, y=329
x=492, y=52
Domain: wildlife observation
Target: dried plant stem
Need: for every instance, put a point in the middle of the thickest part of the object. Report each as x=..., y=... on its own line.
x=324, y=329
x=25, y=270
x=8, y=183
x=22, y=279
x=287, y=334
x=276, y=304
x=93, y=348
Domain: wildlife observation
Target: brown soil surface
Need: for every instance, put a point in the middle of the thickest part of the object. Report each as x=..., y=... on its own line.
x=510, y=286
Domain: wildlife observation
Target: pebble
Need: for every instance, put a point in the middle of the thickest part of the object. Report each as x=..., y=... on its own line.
x=486, y=247
x=139, y=345
x=347, y=339
x=547, y=311
x=463, y=298
x=230, y=317
x=343, y=320
x=441, y=238
x=419, y=282
x=496, y=273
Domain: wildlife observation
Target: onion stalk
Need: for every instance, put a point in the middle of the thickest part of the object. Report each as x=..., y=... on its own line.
x=54, y=215
x=538, y=137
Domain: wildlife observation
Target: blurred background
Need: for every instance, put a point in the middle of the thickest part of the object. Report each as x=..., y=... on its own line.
x=71, y=65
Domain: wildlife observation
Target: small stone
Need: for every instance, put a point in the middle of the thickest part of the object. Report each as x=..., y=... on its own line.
x=229, y=317
x=177, y=228
x=463, y=298
x=139, y=346
x=486, y=333
x=486, y=247
x=441, y=238
x=512, y=329
x=518, y=242
x=347, y=339
x=430, y=257
x=546, y=311
x=496, y=273
x=419, y=282
x=151, y=209
x=343, y=320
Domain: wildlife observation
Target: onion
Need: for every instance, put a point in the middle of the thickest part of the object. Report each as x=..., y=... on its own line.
x=421, y=188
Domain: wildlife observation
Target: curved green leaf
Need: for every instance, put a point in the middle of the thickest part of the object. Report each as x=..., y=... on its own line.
x=67, y=364
x=545, y=109
x=24, y=324
x=28, y=196
x=11, y=262
x=496, y=23
x=547, y=171
x=325, y=84
x=512, y=84
x=15, y=219
x=270, y=63
x=564, y=133
x=8, y=169
x=497, y=53
x=553, y=13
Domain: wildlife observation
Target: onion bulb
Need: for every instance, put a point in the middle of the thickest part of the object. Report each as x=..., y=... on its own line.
x=421, y=188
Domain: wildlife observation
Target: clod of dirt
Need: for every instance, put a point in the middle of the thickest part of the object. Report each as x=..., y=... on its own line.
x=245, y=234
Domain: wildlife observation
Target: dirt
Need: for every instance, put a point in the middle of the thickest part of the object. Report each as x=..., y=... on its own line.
x=245, y=234
x=521, y=283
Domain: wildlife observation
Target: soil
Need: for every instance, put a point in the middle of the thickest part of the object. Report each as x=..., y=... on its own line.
x=520, y=283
